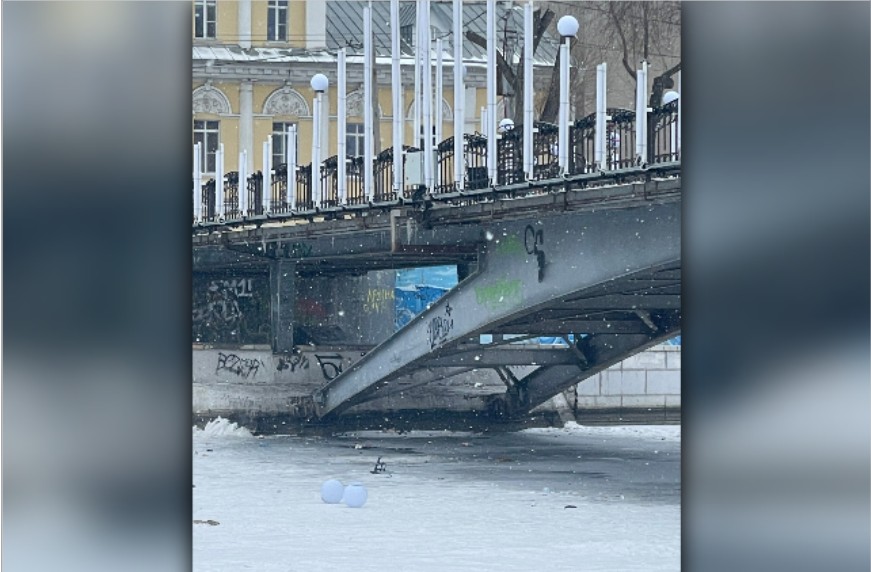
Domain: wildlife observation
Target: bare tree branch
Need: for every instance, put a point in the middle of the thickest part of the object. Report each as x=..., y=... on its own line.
x=619, y=29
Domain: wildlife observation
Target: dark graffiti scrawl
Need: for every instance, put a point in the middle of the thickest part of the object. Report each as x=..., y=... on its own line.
x=440, y=327
x=221, y=309
x=532, y=239
x=331, y=365
x=243, y=367
x=293, y=363
x=230, y=310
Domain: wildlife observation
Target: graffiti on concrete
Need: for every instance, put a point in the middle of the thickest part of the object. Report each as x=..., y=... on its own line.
x=293, y=363
x=229, y=310
x=220, y=312
x=509, y=245
x=242, y=367
x=440, y=327
x=532, y=239
x=500, y=293
x=378, y=299
x=331, y=365
x=297, y=249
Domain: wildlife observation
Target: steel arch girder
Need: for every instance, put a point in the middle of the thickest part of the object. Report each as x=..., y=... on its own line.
x=525, y=264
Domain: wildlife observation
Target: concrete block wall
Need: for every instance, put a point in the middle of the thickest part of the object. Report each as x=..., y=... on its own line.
x=650, y=379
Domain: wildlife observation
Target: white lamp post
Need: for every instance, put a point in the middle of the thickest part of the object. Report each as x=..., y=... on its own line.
x=490, y=125
x=675, y=126
x=528, y=93
x=198, y=185
x=600, y=143
x=641, y=114
x=342, y=119
x=319, y=83
x=459, y=97
x=567, y=26
x=396, y=80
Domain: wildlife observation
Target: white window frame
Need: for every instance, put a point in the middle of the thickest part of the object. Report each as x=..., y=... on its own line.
x=206, y=131
x=281, y=135
x=204, y=5
x=355, y=139
x=278, y=13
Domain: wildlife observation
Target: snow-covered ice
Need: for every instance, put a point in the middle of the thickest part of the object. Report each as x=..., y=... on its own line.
x=447, y=501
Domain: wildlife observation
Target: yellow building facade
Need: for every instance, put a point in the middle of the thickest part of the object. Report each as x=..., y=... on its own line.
x=252, y=64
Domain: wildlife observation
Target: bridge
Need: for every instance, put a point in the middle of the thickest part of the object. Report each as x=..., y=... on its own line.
x=587, y=252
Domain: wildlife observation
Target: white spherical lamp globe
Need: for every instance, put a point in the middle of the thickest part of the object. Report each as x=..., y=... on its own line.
x=568, y=26
x=320, y=82
x=669, y=97
x=355, y=495
x=332, y=491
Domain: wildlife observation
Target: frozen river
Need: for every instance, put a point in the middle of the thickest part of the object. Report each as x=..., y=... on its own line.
x=578, y=498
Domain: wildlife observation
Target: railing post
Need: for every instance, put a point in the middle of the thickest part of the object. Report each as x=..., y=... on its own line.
x=198, y=185
x=563, y=144
x=492, y=167
x=426, y=48
x=418, y=64
x=219, y=191
x=290, y=161
x=319, y=84
x=342, y=153
x=641, y=114
x=459, y=98
x=368, y=143
x=528, y=94
x=396, y=79
x=601, y=134
x=679, y=100
x=242, y=187
x=267, y=178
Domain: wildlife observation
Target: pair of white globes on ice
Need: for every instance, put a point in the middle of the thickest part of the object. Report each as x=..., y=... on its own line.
x=334, y=492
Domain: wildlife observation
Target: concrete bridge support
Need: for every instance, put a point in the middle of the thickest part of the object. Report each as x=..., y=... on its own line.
x=282, y=279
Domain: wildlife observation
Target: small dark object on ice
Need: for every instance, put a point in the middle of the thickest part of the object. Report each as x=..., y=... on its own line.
x=209, y=522
x=379, y=467
x=570, y=506
x=208, y=450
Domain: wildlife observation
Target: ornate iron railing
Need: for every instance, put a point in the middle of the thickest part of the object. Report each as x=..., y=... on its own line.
x=509, y=153
x=255, y=194
x=280, y=204
x=209, y=206
x=475, y=146
x=231, y=196
x=620, y=140
x=293, y=193
x=329, y=182
x=662, y=134
x=303, y=199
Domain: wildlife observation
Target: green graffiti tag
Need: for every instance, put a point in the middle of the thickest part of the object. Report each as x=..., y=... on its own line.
x=499, y=293
x=510, y=245
x=378, y=299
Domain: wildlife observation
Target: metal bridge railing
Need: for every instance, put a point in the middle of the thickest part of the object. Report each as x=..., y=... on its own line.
x=663, y=133
x=296, y=196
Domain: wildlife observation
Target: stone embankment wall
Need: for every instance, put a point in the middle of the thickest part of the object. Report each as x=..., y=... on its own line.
x=251, y=385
